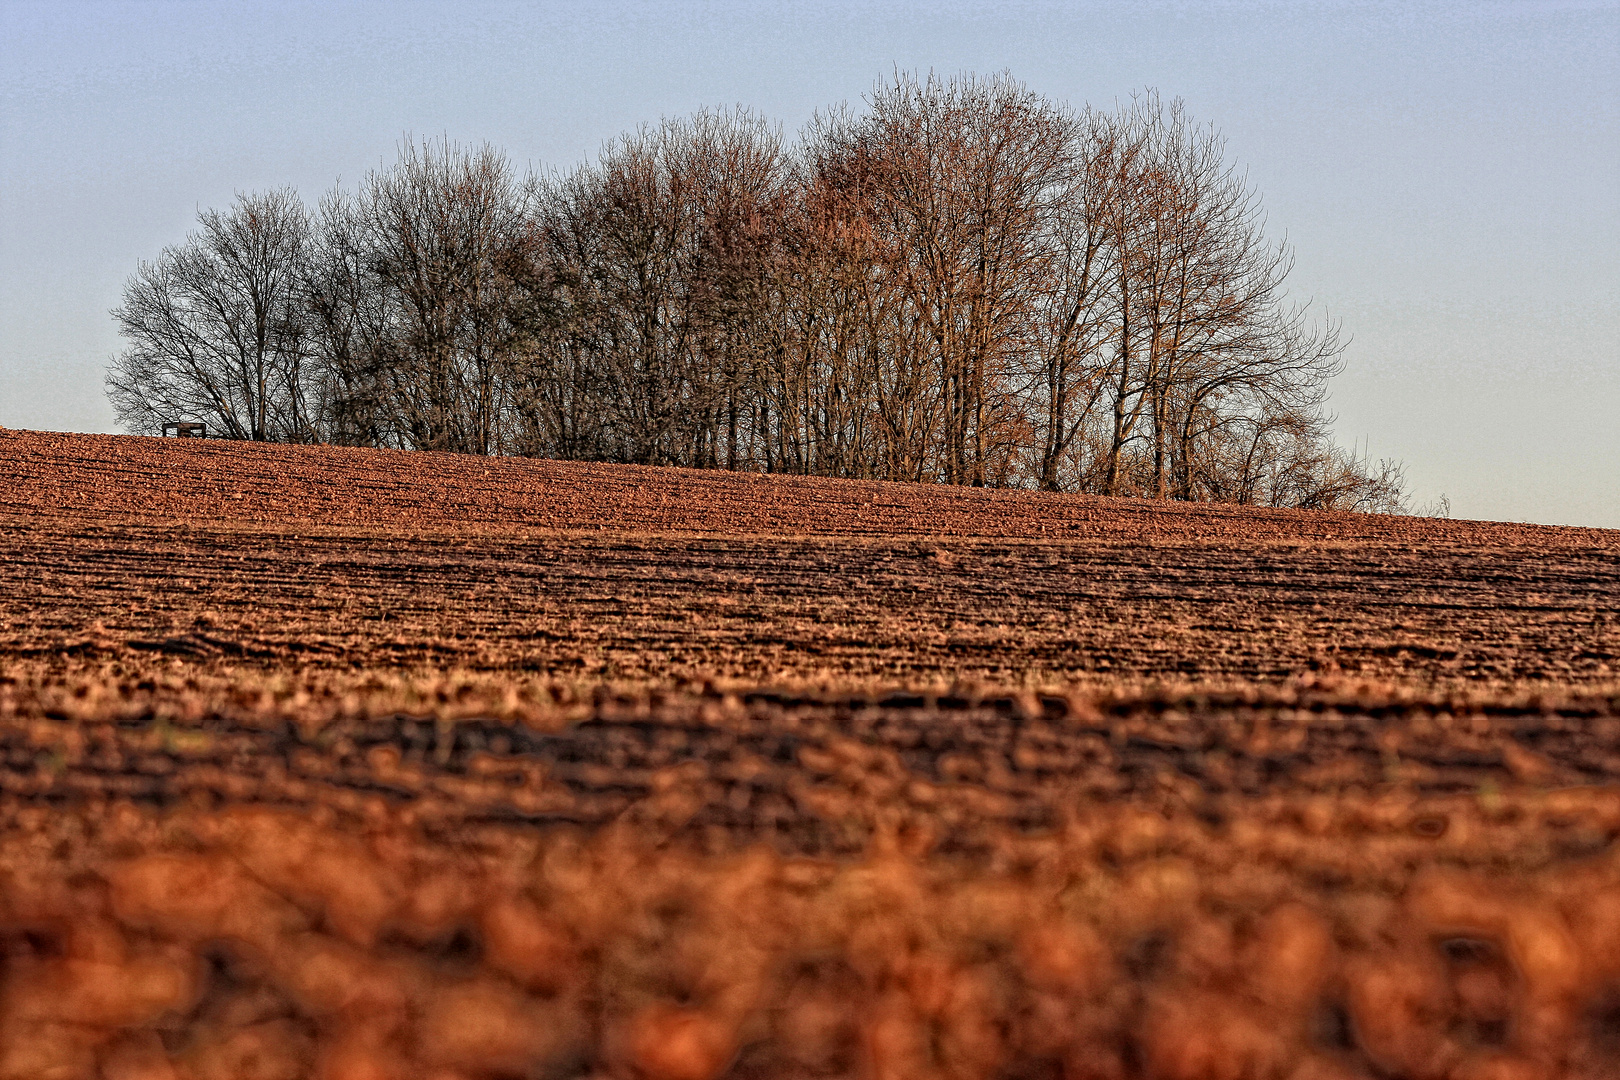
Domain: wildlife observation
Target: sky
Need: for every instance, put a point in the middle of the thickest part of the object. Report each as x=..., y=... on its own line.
x=1447, y=174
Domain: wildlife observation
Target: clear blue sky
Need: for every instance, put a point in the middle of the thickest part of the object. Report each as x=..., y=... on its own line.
x=1448, y=173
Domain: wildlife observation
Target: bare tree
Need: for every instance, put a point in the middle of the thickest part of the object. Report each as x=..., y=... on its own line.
x=963, y=176
x=216, y=328
x=446, y=243
x=848, y=375
x=1077, y=314
x=350, y=328
x=1204, y=337
x=660, y=253
x=560, y=393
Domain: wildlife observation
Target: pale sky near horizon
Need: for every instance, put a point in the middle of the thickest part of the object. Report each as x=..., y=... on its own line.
x=1448, y=174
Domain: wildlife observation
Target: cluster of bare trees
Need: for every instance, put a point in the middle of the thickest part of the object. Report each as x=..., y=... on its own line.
x=960, y=282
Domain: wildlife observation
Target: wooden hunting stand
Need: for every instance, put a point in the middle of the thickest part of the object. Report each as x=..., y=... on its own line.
x=187, y=429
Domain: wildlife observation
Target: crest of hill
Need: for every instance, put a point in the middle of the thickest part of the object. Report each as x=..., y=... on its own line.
x=118, y=477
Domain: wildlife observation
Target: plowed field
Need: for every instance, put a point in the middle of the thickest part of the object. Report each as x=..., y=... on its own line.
x=360, y=764
x=313, y=555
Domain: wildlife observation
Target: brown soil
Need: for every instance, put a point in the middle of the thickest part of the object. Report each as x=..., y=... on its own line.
x=423, y=766
x=334, y=557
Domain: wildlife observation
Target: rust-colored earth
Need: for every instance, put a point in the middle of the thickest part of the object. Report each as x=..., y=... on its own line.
x=361, y=764
x=354, y=558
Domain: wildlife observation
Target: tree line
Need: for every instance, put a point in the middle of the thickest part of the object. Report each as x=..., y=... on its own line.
x=958, y=281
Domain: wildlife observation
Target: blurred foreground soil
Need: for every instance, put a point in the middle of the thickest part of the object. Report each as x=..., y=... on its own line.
x=347, y=764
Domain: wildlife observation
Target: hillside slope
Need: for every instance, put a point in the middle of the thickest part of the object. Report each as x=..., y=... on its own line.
x=266, y=555
x=114, y=476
